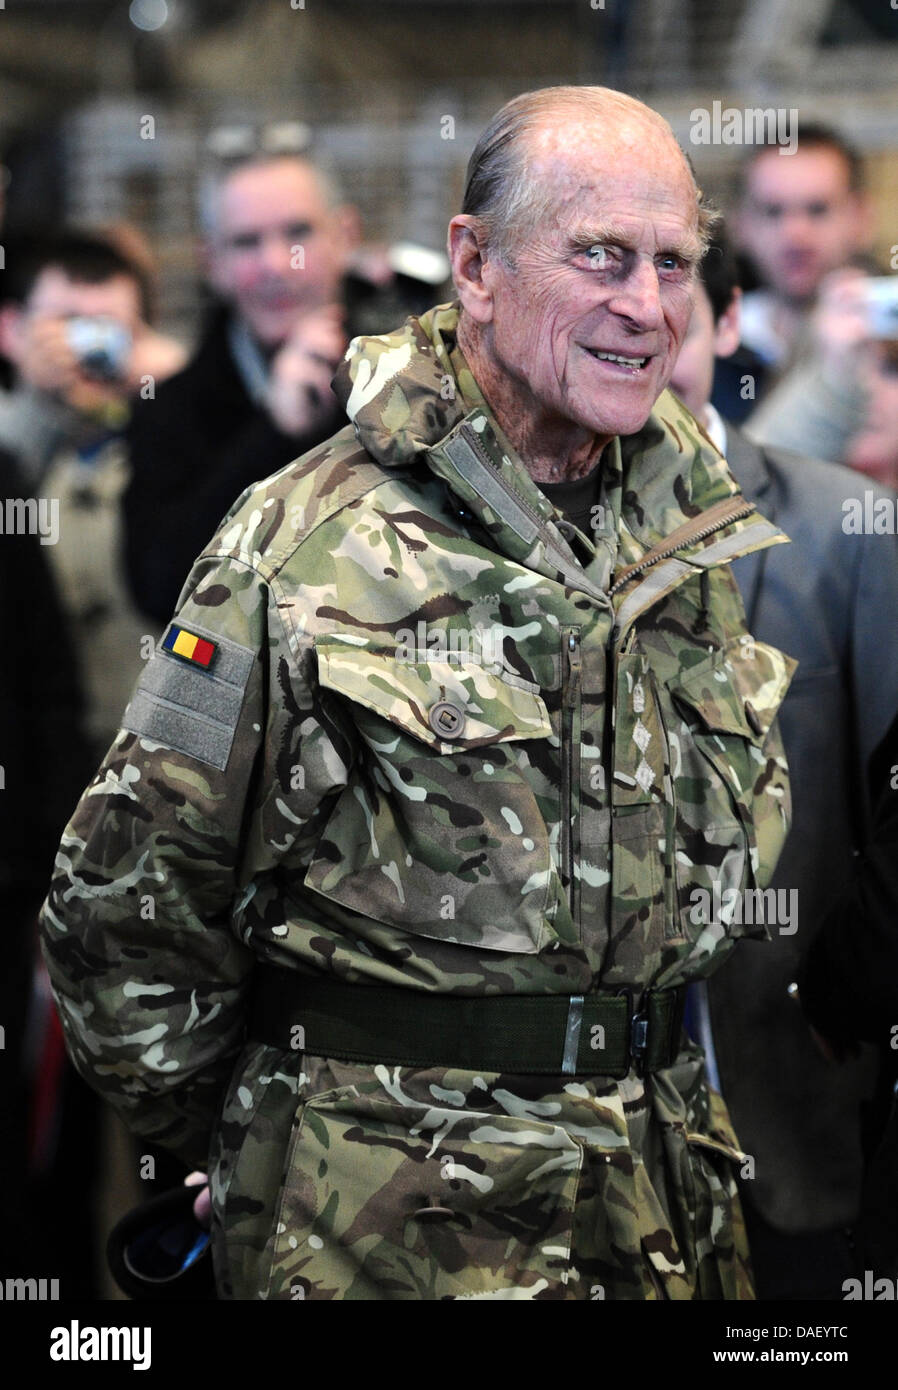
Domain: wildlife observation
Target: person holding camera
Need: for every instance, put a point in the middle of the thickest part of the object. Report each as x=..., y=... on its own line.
x=73, y=322
x=805, y=224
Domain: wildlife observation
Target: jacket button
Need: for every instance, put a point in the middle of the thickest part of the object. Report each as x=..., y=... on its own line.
x=446, y=719
x=754, y=722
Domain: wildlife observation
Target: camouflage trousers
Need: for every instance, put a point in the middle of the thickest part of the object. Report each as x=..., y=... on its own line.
x=333, y=1180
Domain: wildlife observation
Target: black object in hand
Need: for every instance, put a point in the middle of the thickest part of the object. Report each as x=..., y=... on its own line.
x=160, y=1251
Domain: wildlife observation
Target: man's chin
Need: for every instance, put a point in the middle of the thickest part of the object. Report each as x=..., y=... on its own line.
x=628, y=418
x=271, y=330
x=801, y=289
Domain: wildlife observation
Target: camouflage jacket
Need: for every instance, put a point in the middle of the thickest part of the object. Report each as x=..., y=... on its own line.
x=284, y=793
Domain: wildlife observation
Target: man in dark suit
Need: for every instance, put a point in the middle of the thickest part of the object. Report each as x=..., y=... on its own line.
x=257, y=392
x=829, y=599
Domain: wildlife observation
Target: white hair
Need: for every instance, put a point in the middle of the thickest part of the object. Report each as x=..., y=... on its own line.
x=499, y=187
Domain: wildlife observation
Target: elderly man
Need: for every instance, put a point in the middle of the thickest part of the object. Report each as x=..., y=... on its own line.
x=385, y=897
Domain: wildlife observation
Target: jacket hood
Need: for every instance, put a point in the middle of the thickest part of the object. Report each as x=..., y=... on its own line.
x=394, y=388
x=401, y=393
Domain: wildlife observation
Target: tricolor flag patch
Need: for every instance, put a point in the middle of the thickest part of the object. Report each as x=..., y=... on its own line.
x=188, y=646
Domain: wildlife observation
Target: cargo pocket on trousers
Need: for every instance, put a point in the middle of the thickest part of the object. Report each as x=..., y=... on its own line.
x=721, y=1245
x=383, y=1200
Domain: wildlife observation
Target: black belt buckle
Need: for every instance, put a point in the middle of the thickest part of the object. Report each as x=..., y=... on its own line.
x=637, y=1031
x=639, y=1041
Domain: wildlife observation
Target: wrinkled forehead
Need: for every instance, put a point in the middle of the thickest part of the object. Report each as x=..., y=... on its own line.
x=631, y=182
x=577, y=156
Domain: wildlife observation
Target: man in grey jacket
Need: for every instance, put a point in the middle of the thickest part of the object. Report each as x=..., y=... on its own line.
x=829, y=599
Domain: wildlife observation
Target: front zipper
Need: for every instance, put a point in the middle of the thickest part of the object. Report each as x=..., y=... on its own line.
x=599, y=596
x=736, y=514
x=473, y=440
x=684, y=535
x=570, y=696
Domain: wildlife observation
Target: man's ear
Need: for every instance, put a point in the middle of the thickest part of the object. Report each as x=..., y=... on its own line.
x=11, y=318
x=728, y=328
x=469, y=258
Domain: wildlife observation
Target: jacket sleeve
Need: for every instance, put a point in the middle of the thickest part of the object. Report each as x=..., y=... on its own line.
x=140, y=930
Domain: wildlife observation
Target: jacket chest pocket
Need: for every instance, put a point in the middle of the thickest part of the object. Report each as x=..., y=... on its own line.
x=730, y=788
x=441, y=829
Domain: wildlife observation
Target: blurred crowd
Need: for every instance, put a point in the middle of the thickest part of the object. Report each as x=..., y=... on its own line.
x=137, y=446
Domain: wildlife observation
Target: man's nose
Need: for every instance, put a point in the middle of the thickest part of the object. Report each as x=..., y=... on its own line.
x=638, y=297
x=275, y=252
x=798, y=226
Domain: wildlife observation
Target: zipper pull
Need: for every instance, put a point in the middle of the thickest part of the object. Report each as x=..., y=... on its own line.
x=574, y=667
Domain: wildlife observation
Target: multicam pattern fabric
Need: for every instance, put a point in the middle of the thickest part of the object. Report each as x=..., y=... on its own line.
x=461, y=758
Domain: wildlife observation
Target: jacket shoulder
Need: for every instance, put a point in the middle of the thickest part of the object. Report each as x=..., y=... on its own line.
x=271, y=519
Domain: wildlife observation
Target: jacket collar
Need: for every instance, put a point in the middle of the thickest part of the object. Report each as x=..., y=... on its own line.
x=412, y=404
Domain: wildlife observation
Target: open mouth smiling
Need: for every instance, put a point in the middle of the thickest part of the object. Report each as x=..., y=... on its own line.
x=618, y=359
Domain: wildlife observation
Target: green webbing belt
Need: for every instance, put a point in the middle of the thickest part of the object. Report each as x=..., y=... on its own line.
x=593, y=1034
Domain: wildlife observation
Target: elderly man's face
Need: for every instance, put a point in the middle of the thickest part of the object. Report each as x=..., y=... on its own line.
x=590, y=321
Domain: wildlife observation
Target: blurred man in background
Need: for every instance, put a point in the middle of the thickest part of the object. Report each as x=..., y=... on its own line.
x=827, y=599
x=73, y=324
x=281, y=250
x=803, y=222
x=257, y=391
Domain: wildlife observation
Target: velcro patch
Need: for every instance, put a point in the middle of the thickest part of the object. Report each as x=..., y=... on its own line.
x=189, y=646
x=184, y=705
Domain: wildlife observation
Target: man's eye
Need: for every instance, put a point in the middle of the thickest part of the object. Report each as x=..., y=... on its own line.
x=244, y=241
x=671, y=261
x=598, y=257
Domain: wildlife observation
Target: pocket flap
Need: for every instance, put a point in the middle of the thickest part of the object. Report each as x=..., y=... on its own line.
x=739, y=689
x=483, y=707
